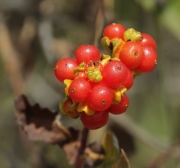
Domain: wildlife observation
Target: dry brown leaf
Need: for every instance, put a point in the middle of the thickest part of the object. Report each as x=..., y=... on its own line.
x=72, y=151
x=40, y=124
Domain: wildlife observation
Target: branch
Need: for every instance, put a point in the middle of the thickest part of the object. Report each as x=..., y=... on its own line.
x=10, y=60
x=165, y=155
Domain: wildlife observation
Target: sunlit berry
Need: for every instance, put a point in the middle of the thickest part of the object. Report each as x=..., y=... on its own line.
x=121, y=107
x=114, y=73
x=79, y=90
x=100, y=97
x=64, y=69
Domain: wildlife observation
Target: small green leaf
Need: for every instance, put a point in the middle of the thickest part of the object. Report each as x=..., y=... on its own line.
x=110, y=146
x=105, y=42
x=113, y=158
x=61, y=105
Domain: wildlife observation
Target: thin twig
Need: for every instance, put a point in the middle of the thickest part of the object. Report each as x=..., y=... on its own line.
x=10, y=60
x=99, y=23
x=164, y=156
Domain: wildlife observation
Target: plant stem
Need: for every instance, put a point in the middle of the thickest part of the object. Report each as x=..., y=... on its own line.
x=83, y=140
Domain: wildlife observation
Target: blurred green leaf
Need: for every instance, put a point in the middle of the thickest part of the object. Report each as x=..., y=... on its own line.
x=147, y=5
x=126, y=10
x=170, y=17
x=113, y=158
x=110, y=146
x=123, y=161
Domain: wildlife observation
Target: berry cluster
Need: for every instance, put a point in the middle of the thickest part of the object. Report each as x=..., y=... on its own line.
x=96, y=85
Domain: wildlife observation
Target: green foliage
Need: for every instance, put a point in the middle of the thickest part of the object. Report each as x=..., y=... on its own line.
x=170, y=17
x=148, y=5
x=114, y=157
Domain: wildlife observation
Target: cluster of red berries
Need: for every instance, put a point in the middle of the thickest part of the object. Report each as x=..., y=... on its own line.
x=96, y=85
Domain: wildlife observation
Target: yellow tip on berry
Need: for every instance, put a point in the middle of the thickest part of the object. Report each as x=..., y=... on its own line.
x=117, y=94
x=84, y=107
x=67, y=82
x=132, y=35
x=117, y=48
x=105, y=59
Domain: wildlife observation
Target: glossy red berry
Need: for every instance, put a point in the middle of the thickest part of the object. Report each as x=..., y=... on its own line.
x=114, y=73
x=114, y=30
x=149, y=61
x=79, y=90
x=128, y=83
x=121, y=107
x=148, y=41
x=131, y=54
x=95, y=121
x=96, y=86
x=64, y=69
x=70, y=109
x=100, y=97
x=86, y=53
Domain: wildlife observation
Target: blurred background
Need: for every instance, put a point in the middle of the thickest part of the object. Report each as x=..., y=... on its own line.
x=35, y=34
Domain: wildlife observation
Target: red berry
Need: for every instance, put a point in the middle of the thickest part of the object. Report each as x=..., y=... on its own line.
x=64, y=69
x=86, y=53
x=128, y=83
x=148, y=41
x=121, y=107
x=149, y=61
x=95, y=121
x=71, y=113
x=114, y=73
x=79, y=90
x=100, y=98
x=114, y=30
x=131, y=54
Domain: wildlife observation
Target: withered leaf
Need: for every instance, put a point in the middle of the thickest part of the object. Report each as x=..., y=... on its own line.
x=40, y=124
x=72, y=151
